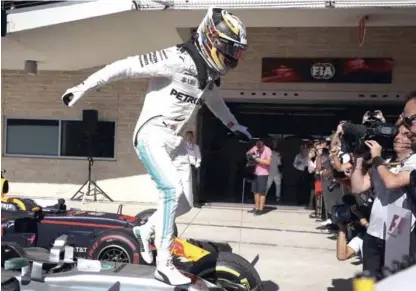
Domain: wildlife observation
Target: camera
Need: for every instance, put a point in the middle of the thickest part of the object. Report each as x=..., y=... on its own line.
x=334, y=184
x=351, y=211
x=250, y=167
x=251, y=160
x=356, y=134
x=353, y=208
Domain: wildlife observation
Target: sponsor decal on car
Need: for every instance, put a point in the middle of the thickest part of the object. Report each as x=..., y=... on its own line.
x=7, y=224
x=77, y=212
x=96, y=213
x=31, y=239
x=7, y=206
x=106, y=267
x=127, y=218
x=80, y=249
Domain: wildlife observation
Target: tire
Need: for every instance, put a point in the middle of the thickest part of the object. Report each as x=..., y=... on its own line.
x=115, y=245
x=11, y=284
x=143, y=217
x=225, y=268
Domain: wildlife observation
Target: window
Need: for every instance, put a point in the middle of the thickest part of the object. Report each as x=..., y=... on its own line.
x=58, y=138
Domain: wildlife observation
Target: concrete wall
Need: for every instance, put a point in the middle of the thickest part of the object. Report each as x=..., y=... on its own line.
x=125, y=179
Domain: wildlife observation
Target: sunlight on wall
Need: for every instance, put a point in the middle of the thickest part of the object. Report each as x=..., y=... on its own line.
x=139, y=188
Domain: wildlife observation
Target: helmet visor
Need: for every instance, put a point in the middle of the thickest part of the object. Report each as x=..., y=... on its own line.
x=230, y=49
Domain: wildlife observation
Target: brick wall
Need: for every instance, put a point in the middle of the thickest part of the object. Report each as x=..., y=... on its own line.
x=125, y=178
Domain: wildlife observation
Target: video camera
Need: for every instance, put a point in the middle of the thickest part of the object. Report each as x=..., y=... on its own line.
x=374, y=127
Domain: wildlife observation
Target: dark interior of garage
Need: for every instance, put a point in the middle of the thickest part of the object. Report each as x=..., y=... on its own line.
x=223, y=157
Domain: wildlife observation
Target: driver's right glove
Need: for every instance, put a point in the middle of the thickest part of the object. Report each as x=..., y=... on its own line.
x=73, y=95
x=242, y=133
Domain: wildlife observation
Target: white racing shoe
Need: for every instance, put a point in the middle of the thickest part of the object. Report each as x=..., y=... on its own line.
x=143, y=238
x=169, y=274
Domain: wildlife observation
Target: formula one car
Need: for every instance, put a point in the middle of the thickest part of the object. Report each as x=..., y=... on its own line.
x=109, y=237
x=27, y=223
x=38, y=269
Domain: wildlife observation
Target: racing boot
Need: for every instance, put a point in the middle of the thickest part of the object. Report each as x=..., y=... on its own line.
x=167, y=272
x=144, y=235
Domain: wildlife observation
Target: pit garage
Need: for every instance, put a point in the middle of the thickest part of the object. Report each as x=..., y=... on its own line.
x=291, y=123
x=43, y=151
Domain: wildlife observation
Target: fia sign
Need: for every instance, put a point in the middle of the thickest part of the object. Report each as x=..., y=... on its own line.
x=322, y=71
x=398, y=226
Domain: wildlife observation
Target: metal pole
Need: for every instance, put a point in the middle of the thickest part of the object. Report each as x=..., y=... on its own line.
x=244, y=189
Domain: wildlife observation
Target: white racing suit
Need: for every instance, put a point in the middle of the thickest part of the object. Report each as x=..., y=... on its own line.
x=172, y=98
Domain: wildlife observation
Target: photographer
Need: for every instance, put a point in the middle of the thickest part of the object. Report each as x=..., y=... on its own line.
x=352, y=221
x=408, y=117
x=260, y=155
x=340, y=161
x=351, y=218
x=351, y=249
x=387, y=183
x=332, y=192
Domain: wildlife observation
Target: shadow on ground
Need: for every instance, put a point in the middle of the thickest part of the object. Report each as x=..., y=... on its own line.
x=270, y=286
x=341, y=285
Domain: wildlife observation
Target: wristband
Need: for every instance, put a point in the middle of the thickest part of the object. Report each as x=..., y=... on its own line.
x=378, y=161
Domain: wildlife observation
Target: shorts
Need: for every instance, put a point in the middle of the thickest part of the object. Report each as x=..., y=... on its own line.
x=259, y=184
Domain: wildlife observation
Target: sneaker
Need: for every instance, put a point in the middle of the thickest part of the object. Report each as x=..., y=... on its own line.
x=326, y=222
x=253, y=210
x=169, y=274
x=144, y=242
x=258, y=212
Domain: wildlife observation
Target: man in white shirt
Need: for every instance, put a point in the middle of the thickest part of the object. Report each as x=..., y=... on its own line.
x=275, y=176
x=194, y=155
x=301, y=160
x=303, y=181
x=389, y=189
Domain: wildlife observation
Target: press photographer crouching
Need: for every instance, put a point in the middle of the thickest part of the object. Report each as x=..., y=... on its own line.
x=380, y=168
x=351, y=218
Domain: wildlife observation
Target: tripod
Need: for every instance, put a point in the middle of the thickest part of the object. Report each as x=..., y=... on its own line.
x=95, y=188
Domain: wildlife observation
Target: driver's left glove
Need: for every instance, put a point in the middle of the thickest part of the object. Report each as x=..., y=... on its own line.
x=242, y=133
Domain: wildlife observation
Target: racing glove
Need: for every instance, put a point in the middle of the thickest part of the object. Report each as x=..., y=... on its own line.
x=73, y=95
x=242, y=133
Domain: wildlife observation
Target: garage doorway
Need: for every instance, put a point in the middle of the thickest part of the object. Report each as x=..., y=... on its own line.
x=223, y=158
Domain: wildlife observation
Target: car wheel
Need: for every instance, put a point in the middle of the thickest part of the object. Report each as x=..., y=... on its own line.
x=143, y=217
x=11, y=284
x=227, y=270
x=115, y=246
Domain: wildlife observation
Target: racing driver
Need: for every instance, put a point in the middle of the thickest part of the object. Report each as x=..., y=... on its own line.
x=182, y=79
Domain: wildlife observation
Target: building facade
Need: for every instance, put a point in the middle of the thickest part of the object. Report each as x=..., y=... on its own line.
x=122, y=176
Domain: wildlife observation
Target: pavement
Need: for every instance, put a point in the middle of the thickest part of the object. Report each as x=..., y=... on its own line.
x=293, y=254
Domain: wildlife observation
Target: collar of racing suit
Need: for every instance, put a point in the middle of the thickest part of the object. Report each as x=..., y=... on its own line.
x=201, y=67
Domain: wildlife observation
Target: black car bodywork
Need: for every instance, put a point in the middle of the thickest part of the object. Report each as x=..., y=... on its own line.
x=39, y=227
